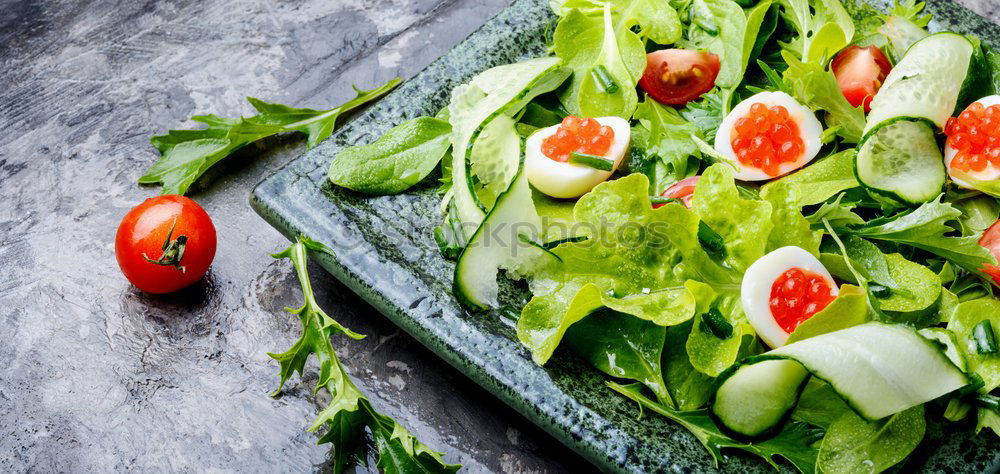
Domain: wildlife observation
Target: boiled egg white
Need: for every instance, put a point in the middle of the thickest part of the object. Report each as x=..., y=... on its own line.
x=755, y=291
x=809, y=130
x=990, y=173
x=568, y=180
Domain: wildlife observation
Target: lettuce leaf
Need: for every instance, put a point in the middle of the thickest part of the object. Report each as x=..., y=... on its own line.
x=963, y=321
x=585, y=42
x=655, y=19
x=824, y=27
x=850, y=308
x=662, y=132
x=817, y=89
x=689, y=388
x=786, y=216
x=819, y=181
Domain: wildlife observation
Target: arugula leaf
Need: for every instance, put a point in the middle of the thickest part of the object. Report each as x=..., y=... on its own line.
x=586, y=42
x=349, y=413
x=824, y=27
x=821, y=180
x=926, y=228
x=963, y=322
x=622, y=346
x=838, y=213
x=817, y=89
x=867, y=20
x=794, y=442
x=185, y=155
x=662, y=132
x=852, y=443
x=396, y=161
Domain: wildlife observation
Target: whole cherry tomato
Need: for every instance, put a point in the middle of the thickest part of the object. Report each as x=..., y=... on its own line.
x=165, y=244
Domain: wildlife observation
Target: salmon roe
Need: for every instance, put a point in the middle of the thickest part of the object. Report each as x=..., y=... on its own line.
x=975, y=135
x=796, y=295
x=579, y=135
x=766, y=137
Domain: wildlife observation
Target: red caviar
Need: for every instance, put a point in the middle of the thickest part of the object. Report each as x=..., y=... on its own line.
x=766, y=137
x=798, y=294
x=579, y=135
x=975, y=135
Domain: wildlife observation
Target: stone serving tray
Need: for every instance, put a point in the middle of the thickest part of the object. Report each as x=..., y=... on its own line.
x=385, y=252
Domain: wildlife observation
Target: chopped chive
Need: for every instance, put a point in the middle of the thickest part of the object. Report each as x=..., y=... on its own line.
x=711, y=241
x=592, y=161
x=975, y=383
x=664, y=200
x=603, y=77
x=717, y=323
x=987, y=401
x=880, y=291
x=984, y=338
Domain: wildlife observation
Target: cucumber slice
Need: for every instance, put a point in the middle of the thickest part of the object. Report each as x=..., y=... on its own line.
x=901, y=159
x=758, y=395
x=926, y=83
x=503, y=240
x=878, y=369
x=501, y=90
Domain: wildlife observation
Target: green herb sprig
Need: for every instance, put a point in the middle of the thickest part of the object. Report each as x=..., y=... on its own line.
x=350, y=413
x=185, y=155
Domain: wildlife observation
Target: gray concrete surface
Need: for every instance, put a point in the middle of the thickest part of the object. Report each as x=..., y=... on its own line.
x=97, y=377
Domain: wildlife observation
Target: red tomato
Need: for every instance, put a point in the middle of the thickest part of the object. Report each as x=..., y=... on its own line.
x=860, y=73
x=683, y=190
x=991, y=240
x=677, y=76
x=165, y=244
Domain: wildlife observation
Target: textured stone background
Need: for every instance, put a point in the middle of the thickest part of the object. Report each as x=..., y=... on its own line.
x=95, y=376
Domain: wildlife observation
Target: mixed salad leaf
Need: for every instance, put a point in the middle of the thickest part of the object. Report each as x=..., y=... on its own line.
x=652, y=272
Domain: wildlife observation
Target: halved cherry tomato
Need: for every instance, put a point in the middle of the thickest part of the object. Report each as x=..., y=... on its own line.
x=677, y=76
x=683, y=190
x=991, y=241
x=860, y=73
x=165, y=244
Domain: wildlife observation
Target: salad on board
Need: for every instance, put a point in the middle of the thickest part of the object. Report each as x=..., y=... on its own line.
x=774, y=222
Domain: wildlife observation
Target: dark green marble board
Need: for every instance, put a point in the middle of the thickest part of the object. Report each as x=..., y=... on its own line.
x=386, y=253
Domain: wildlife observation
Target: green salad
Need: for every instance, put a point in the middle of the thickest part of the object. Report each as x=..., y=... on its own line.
x=772, y=222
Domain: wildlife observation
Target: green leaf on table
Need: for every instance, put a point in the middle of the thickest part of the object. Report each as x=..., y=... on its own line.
x=821, y=180
x=926, y=227
x=349, y=414
x=964, y=319
x=816, y=87
x=396, y=161
x=587, y=42
x=852, y=443
x=185, y=155
x=850, y=308
x=622, y=346
x=793, y=443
